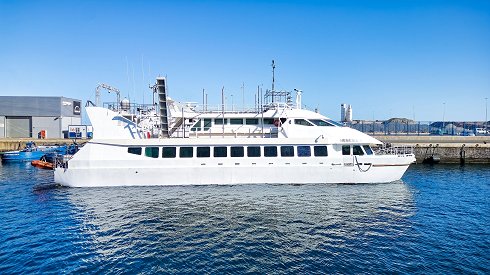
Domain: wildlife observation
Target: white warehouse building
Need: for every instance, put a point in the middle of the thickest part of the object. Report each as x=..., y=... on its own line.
x=36, y=116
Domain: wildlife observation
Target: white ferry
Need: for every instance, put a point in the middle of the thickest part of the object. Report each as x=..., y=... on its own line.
x=279, y=144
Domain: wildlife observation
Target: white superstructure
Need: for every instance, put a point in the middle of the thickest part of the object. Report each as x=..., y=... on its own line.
x=280, y=144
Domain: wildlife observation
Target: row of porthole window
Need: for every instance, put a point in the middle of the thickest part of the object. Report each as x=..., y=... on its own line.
x=232, y=151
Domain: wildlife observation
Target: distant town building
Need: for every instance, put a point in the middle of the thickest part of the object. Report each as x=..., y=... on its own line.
x=37, y=116
x=345, y=113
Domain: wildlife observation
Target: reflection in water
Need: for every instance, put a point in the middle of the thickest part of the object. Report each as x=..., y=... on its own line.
x=245, y=226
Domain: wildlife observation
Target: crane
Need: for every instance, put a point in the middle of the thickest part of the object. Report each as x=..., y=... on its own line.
x=109, y=89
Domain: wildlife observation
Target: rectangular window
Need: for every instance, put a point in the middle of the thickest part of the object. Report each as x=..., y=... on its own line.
x=270, y=151
x=207, y=124
x=203, y=152
x=134, y=150
x=253, y=151
x=219, y=121
x=304, y=151
x=269, y=121
x=197, y=126
x=287, y=151
x=220, y=152
x=236, y=121
x=152, y=152
x=186, y=152
x=236, y=151
x=252, y=121
x=320, y=151
x=346, y=150
x=368, y=149
x=169, y=152
x=357, y=150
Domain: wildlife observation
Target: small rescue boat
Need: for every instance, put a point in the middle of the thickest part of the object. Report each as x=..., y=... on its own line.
x=42, y=164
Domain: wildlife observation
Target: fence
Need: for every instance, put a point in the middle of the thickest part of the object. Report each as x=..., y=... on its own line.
x=452, y=128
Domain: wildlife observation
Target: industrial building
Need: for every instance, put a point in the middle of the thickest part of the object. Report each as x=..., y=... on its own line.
x=38, y=116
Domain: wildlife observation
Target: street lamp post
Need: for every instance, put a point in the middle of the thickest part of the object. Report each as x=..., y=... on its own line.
x=443, y=115
x=486, y=115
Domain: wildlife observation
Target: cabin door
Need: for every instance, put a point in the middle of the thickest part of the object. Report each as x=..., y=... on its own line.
x=348, y=163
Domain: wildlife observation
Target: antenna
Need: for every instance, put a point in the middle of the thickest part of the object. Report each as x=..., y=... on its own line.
x=273, y=80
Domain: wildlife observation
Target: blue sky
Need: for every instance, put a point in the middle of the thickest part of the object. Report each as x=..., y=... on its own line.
x=414, y=59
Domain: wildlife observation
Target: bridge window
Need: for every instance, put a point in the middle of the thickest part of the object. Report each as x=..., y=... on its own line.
x=319, y=122
x=236, y=121
x=220, y=152
x=253, y=151
x=152, y=152
x=269, y=121
x=220, y=121
x=302, y=122
x=252, y=121
x=346, y=150
x=197, y=126
x=134, y=150
x=270, y=151
x=304, y=151
x=186, y=152
x=236, y=151
x=357, y=150
x=320, y=151
x=287, y=151
x=207, y=124
x=169, y=152
x=368, y=149
x=203, y=152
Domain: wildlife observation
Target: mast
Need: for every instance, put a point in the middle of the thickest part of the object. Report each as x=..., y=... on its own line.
x=273, y=69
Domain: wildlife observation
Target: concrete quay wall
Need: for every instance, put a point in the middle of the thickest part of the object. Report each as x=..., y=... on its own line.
x=10, y=144
x=450, y=149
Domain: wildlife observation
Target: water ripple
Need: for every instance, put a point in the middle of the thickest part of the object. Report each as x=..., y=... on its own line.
x=436, y=220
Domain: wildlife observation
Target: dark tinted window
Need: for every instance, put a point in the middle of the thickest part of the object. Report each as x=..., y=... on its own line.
x=168, y=152
x=203, y=152
x=357, y=150
x=236, y=121
x=268, y=121
x=302, y=122
x=197, y=126
x=219, y=121
x=346, y=150
x=320, y=151
x=151, y=152
x=287, y=151
x=134, y=150
x=253, y=151
x=270, y=151
x=236, y=151
x=207, y=124
x=185, y=152
x=304, y=151
x=252, y=121
x=220, y=152
x=368, y=149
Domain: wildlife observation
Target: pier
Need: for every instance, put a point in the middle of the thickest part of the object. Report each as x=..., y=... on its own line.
x=11, y=144
x=450, y=149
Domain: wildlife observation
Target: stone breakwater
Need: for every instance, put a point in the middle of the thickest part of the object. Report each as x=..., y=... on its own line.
x=450, y=149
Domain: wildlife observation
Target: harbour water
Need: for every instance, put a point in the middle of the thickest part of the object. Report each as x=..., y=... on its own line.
x=436, y=220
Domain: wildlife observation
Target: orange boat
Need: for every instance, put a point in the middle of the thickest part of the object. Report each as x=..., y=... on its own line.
x=42, y=164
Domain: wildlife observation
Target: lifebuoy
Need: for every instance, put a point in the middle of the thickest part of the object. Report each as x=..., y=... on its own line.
x=277, y=123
